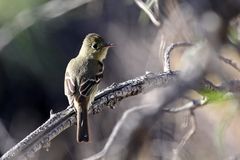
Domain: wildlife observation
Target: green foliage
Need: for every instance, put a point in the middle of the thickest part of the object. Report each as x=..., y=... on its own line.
x=214, y=96
x=10, y=8
x=229, y=115
x=233, y=35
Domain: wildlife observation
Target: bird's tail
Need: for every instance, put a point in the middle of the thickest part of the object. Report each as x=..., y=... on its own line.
x=82, y=125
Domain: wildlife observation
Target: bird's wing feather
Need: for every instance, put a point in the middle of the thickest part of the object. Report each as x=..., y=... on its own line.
x=87, y=85
x=99, y=74
x=69, y=85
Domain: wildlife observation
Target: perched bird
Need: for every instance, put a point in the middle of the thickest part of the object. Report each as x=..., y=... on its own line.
x=82, y=77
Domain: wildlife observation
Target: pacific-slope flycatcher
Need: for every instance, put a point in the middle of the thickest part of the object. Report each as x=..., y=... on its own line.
x=82, y=77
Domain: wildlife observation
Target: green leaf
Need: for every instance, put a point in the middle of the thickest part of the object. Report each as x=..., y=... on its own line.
x=214, y=96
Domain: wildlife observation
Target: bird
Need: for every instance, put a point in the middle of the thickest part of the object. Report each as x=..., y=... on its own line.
x=82, y=77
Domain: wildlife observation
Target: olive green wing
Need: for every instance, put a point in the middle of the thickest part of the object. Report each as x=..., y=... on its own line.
x=91, y=78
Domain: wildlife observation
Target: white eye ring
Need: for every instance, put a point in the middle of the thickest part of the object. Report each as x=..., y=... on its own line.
x=94, y=46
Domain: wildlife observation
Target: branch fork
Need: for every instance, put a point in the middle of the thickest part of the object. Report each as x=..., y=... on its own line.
x=109, y=97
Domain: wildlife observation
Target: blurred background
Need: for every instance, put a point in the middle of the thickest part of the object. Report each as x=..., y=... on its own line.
x=37, y=40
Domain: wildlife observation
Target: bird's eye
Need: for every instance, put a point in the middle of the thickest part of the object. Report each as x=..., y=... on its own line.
x=94, y=46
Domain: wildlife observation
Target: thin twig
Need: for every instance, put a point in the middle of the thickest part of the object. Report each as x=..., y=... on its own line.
x=186, y=137
x=148, y=11
x=156, y=8
x=162, y=47
x=149, y=3
x=191, y=105
x=230, y=62
x=168, y=51
x=115, y=131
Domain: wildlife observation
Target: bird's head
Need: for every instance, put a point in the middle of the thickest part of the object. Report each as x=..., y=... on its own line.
x=95, y=46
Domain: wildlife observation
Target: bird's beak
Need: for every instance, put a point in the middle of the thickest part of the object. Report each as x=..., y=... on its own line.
x=108, y=45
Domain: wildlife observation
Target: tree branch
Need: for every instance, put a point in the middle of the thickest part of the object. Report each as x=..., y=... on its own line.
x=148, y=11
x=108, y=97
x=166, y=56
x=60, y=121
x=230, y=62
x=186, y=137
x=115, y=131
x=191, y=106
